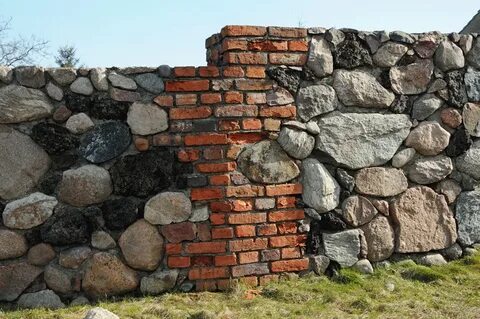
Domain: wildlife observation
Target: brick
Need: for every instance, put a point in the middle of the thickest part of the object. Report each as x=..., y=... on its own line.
x=233, y=97
x=256, y=98
x=172, y=249
x=264, y=203
x=240, y=30
x=253, y=85
x=245, y=191
x=245, y=231
x=247, y=218
x=187, y=85
x=202, y=261
x=221, y=207
x=185, y=99
x=250, y=281
x=284, y=189
x=178, y=262
x=188, y=155
x=164, y=100
x=287, y=228
x=240, y=205
x=229, y=125
x=226, y=260
x=290, y=265
x=206, y=139
x=219, y=180
x=250, y=269
x=181, y=126
x=222, y=85
x=206, y=193
x=245, y=138
x=208, y=273
x=178, y=232
x=239, y=179
x=266, y=230
x=269, y=255
x=288, y=111
x=141, y=143
x=213, y=153
x=286, y=215
x=203, y=232
x=184, y=71
x=208, y=71
x=197, y=181
x=213, y=247
x=245, y=58
x=298, y=45
x=291, y=253
x=248, y=257
x=181, y=113
x=167, y=139
x=248, y=244
x=217, y=218
x=216, y=167
x=287, y=241
x=286, y=202
x=233, y=72
x=211, y=98
x=233, y=151
x=220, y=233
x=287, y=32
x=267, y=45
x=237, y=110
x=264, y=280
x=256, y=72
x=287, y=58
x=234, y=44
x=206, y=285
x=225, y=284
x=252, y=124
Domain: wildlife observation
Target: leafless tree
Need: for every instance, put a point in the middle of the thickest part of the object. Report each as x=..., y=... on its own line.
x=19, y=50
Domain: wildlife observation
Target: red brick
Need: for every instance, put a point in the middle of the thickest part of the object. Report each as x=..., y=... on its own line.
x=226, y=260
x=213, y=153
x=206, y=139
x=233, y=151
x=298, y=45
x=287, y=32
x=208, y=273
x=287, y=228
x=208, y=71
x=172, y=249
x=188, y=155
x=264, y=280
x=206, y=193
x=237, y=110
x=286, y=215
x=256, y=98
x=229, y=125
x=245, y=191
x=253, y=85
x=233, y=97
x=234, y=44
x=248, y=244
x=287, y=241
x=270, y=254
x=250, y=281
x=178, y=232
x=233, y=72
x=267, y=45
x=252, y=124
x=242, y=30
x=245, y=231
x=202, y=261
x=219, y=180
x=290, y=265
x=239, y=205
x=184, y=71
x=246, y=138
x=224, y=232
x=267, y=229
x=166, y=139
x=213, y=247
x=200, y=112
x=248, y=257
x=287, y=58
x=211, y=98
x=245, y=58
x=256, y=72
x=203, y=231
x=247, y=218
x=187, y=85
x=141, y=143
x=185, y=99
x=216, y=167
x=206, y=285
x=250, y=269
x=291, y=253
x=288, y=111
x=217, y=218
x=178, y=262
x=286, y=202
x=284, y=189
x=164, y=100
x=221, y=207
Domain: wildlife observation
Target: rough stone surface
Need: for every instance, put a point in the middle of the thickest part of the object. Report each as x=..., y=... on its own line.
x=320, y=59
x=473, y=57
x=67, y=226
x=357, y=88
x=106, y=275
x=403, y=157
x=79, y=123
x=467, y=214
x=41, y=299
x=6, y=74
x=150, y=82
x=28, y=212
x=20, y=104
x=63, y=76
x=423, y=220
x=54, y=139
x=159, y=282
x=119, y=213
x=471, y=118
x=453, y=252
x=402, y=37
x=30, y=76
x=346, y=180
x=54, y=91
x=123, y=95
x=102, y=240
x=98, y=76
x=15, y=278
x=279, y=96
x=450, y=189
x=61, y=114
x=428, y=138
x=85, y=185
x=122, y=82
x=459, y=143
x=142, y=246
x=428, y=170
x=201, y=213
x=451, y=117
x=351, y=53
x=425, y=106
x=411, y=79
x=380, y=238
x=82, y=86
x=426, y=46
x=319, y=264
x=469, y=163
x=389, y=54
x=342, y=247
x=168, y=207
x=449, y=56
x=105, y=142
x=357, y=210
x=432, y=259
x=100, y=313
x=74, y=257
x=457, y=94
x=380, y=181
x=102, y=107
x=288, y=78
x=297, y=144
x=40, y=254
x=12, y=244
x=315, y=99
x=146, y=118
x=266, y=162
x=320, y=190
x=361, y=140
x=363, y=266
x=59, y=279
x=472, y=84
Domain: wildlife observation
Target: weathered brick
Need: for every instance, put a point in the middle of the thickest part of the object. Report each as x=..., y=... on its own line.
x=181, y=126
x=233, y=151
x=178, y=232
x=287, y=228
x=256, y=98
x=242, y=138
x=247, y=218
x=184, y=71
x=286, y=215
x=248, y=257
x=256, y=72
x=178, y=262
x=208, y=71
x=245, y=57
x=213, y=153
x=229, y=125
x=233, y=72
x=211, y=98
x=219, y=180
x=290, y=265
x=187, y=85
x=206, y=193
x=287, y=58
x=253, y=85
x=233, y=97
x=216, y=167
x=225, y=260
x=213, y=247
x=272, y=125
x=245, y=231
x=217, y=218
x=190, y=113
x=166, y=139
x=237, y=110
x=267, y=45
x=287, y=241
x=240, y=30
x=240, y=205
x=287, y=111
x=298, y=45
x=245, y=191
x=267, y=229
x=208, y=273
x=202, y=261
x=234, y=44
x=286, y=202
x=283, y=189
x=249, y=281
x=239, y=179
x=264, y=203
x=164, y=100
x=220, y=233
x=222, y=85
x=206, y=139
x=264, y=280
x=206, y=285
x=284, y=32
x=203, y=231
x=185, y=99
x=251, y=124
x=270, y=254
x=291, y=253
x=250, y=269
x=248, y=244
x=221, y=207
x=173, y=249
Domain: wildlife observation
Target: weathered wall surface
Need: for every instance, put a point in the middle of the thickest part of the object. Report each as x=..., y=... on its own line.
x=294, y=150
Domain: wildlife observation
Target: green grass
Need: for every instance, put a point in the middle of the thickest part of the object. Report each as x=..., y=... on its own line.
x=450, y=291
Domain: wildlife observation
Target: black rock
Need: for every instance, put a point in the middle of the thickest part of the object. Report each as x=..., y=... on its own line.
x=94, y=217
x=345, y=180
x=119, y=213
x=286, y=77
x=314, y=239
x=384, y=79
x=401, y=105
x=143, y=174
x=331, y=221
x=49, y=182
x=103, y=107
x=351, y=53
x=105, y=142
x=408, y=59
x=78, y=103
x=460, y=142
x=66, y=226
x=197, y=181
x=33, y=236
x=64, y=161
x=457, y=95
x=55, y=139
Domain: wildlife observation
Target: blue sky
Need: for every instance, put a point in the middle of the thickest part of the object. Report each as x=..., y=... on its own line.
x=151, y=33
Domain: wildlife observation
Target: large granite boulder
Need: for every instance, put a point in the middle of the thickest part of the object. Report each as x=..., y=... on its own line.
x=315, y=99
x=411, y=79
x=168, y=207
x=380, y=181
x=467, y=214
x=380, y=238
x=20, y=104
x=15, y=278
x=28, y=212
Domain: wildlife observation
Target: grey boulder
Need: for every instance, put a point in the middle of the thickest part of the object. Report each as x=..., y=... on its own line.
x=468, y=217
x=20, y=104
x=297, y=144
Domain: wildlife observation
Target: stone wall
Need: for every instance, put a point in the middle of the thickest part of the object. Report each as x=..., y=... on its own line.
x=295, y=150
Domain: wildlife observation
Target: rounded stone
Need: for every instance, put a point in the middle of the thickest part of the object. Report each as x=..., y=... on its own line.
x=100, y=313
x=297, y=144
x=357, y=211
x=79, y=123
x=449, y=56
x=380, y=181
x=63, y=76
x=98, y=76
x=450, y=189
x=74, y=257
x=15, y=278
x=61, y=114
x=411, y=79
x=20, y=104
x=168, y=207
x=469, y=162
x=380, y=238
x=12, y=244
x=315, y=99
x=41, y=254
x=363, y=266
x=122, y=82
x=142, y=246
x=451, y=117
x=85, y=186
x=389, y=54
x=428, y=138
x=159, y=282
x=343, y=247
x=41, y=299
x=102, y=240
x=67, y=226
x=29, y=211
x=471, y=118
x=425, y=106
x=147, y=118
x=428, y=170
x=150, y=82
x=54, y=91
x=82, y=86
x=403, y=157
x=31, y=76
x=105, y=142
x=59, y=279
x=468, y=217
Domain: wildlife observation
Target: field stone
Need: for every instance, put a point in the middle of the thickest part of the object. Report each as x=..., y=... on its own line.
x=12, y=244
x=168, y=207
x=55, y=139
x=431, y=259
x=79, y=123
x=389, y=54
x=472, y=84
x=345, y=179
x=297, y=144
x=119, y=213
x=453, y=252
x=459, y=143
x=105, y=142
x=159, y=282
x=449, y=188
x=142, y=246
x=41, y=299
x=150, y=82
x=6, y=74
x=342, y=247
x=467, y=213
x=400, y=36
x=457, y=94
x=449, y=56
x=103, y=107
x=380, y=237
x=473, y=57
x=98, y=76
x=380, y=181
x=437, y=85
x=178, y=232
x=469, y=162
x=428, y=170
x=201, y=213
x=424, y=221
x=122, y=82
x=82, y=86
x=382, y=206
x=279, y=96
x=100, y=313
x=320, y=59
x=147, y=118
x=66, y=227
x=63, y=76
x=428, y=138
x=403, y=157
x=471, y=118
x=411, y=79
x=451, y=117
x=15, y=278
x=20, y=104
x=319, y=264
x=425, y=106
x=351, y=53
x=58, y=279
x=288, y=78
x=30, y=76
x=74, y=257
x=102, y=240
x=315, y=99
x=28, y=212
x=357, y=211
x=363, y=266
x=40, y=254
x=54, y=91
x=124, y=95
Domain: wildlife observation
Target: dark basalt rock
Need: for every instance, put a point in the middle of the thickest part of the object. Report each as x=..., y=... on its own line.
x=314, y=238
x=33, y=236
x=55, y=139
x=66, y=226
x=103, y=107
x=351, y=53
x=286, y=77
x=105, y=142
x=119, y=213
x=408, y=59
x=78, y=103
x=331, y=221
x=457, y=94
x=49, y=182
x=64, y=161
x=345, y=180
x=94, y=217
x=401, y=104
x=143, y=174
x=460, y=142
